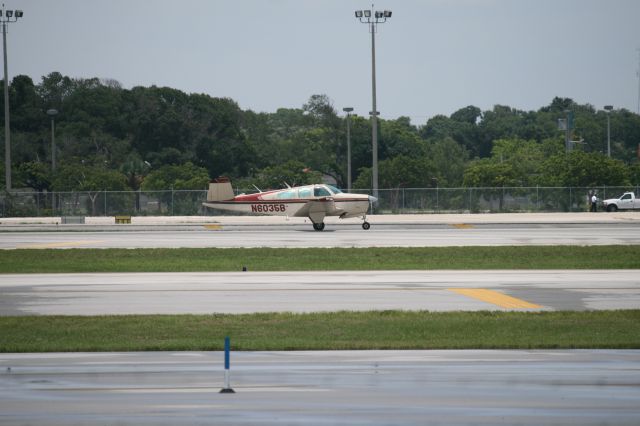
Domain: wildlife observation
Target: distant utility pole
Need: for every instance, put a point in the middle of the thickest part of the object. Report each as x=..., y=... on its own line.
x=608, y=109
x=348, y=110
x=638, y=74
x=567, y=130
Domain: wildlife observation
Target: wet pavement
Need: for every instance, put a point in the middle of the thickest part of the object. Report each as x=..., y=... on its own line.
x=584, y=387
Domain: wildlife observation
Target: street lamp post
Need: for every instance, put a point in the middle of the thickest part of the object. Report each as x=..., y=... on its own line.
x=372, y=19
x=348, y=111
x=567, y=134
x=6, y=17
x=52, y=113
x=608, y=108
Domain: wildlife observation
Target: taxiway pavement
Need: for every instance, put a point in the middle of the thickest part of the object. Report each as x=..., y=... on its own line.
x=249, y=292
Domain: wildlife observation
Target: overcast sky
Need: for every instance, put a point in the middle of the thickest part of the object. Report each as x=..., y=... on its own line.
x=433, y=56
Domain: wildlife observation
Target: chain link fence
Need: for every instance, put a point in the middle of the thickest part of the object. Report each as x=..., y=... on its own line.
x=396, y=201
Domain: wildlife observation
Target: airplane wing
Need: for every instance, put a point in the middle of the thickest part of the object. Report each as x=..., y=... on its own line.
x=316, y=210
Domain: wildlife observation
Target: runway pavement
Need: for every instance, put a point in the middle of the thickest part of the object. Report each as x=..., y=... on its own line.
x=248, y=292
x=586, y=387
x=427, y=230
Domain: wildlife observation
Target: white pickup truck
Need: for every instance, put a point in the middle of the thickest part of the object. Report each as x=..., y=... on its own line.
x=627, y=201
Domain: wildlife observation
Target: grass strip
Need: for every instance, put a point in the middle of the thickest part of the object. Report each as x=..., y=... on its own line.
x=324, y=331
x=311, y=259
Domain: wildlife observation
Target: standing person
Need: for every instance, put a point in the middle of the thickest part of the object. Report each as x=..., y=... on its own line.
x=594, y=201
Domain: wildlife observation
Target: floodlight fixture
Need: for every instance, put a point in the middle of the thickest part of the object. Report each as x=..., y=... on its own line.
x=608, y=107
x=387, y=14
x=9, y=13
x=19, y=14
x=367, y=14
x=358, y=14
x=347, y=109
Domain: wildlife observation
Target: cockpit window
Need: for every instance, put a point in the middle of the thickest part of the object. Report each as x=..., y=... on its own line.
x=304, y=192
x=334, y=189
x=321, y=191
x=287, y=195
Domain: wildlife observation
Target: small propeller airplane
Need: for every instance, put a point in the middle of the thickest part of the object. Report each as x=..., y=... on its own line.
x=312, y=201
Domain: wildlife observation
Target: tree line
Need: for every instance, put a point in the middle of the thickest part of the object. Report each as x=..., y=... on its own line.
x=158, y=138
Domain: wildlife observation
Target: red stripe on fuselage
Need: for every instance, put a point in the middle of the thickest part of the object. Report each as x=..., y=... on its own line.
x=252, y=197
x=286, y=201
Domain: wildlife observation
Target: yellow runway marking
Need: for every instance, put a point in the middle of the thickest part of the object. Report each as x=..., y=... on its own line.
x=495, y=298
x=213, y=227
x=462, y=226
x=58, y=245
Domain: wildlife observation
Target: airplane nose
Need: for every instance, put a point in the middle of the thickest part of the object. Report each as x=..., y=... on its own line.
x=372, y=199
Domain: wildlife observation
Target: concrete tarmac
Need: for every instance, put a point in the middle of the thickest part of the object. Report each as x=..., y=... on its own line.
x=249, y=292
x=339, y=235
x=426, y=230
x=584, y=387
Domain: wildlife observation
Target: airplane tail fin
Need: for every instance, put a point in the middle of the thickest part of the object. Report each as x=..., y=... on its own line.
x=220, y=189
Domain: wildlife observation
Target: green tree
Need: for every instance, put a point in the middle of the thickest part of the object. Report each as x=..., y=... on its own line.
x=36, y=175
x=178, y=177
x=399, y=137
x=492, y=175
x=25, y=106
x=399, y=172
x=462, y=127
x=582, y=169
x=488, y=173
x=449, y=160
x=292, y=172
x=524, y=156
x=87, y=178
x=135, y=170
x=54, y=89
x=634, y=174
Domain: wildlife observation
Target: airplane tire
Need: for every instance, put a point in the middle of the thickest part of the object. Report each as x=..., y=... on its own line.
x=318, y=226
x=366, y=225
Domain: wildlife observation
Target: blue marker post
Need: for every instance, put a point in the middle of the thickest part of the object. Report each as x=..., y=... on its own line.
x=227, y=348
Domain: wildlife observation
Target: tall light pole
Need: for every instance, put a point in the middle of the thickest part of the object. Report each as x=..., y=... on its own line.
x=52, y=113
x=608, y=108
x=348, y=111
x=372, y=19
x=6, y=17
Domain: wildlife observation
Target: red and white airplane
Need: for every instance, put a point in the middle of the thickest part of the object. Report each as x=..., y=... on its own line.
x=312, y=201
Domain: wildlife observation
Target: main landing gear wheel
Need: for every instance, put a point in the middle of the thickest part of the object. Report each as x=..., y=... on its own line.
x=318, y=226
x=366, y=225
